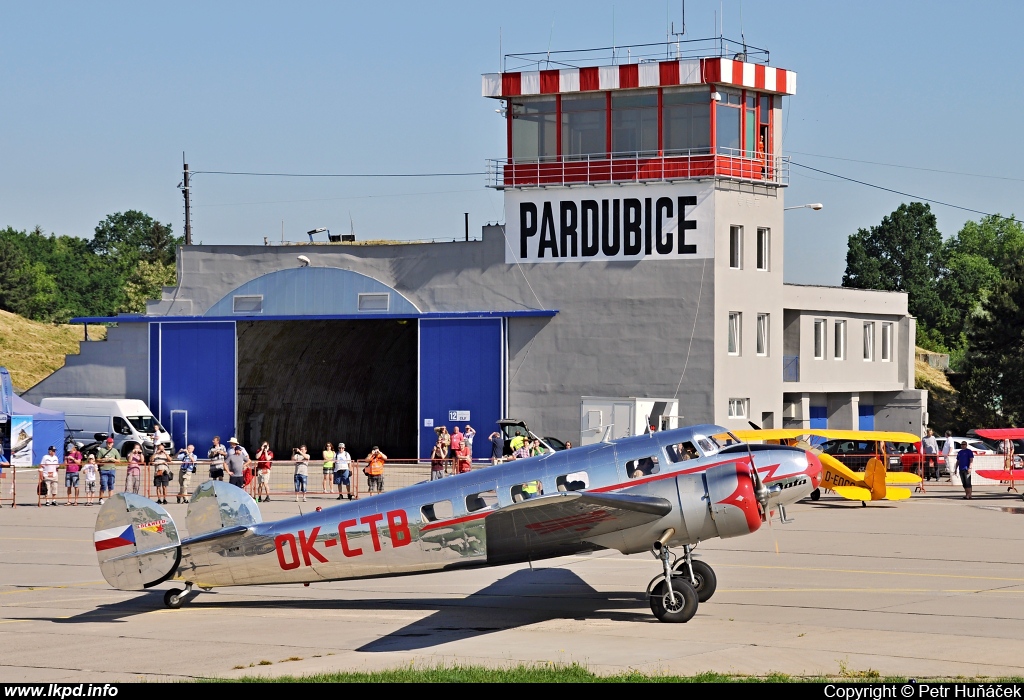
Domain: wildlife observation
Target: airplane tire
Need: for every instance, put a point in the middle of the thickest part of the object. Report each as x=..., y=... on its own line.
x=703, y=574
x=172, y=598
x=815, y=494
x=684, y=606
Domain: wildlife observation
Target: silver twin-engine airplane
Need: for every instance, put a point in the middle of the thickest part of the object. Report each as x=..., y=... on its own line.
x=653, y=492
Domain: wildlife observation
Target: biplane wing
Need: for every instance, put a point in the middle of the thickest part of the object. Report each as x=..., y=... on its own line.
x=853, y=493
x=827, y=433
x=562, y=522
x=902, y=478
x=897, y=493
x=1001, y=474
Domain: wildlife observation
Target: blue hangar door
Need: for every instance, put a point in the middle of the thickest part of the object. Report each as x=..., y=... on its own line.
x=192, y=381
x=461, y=379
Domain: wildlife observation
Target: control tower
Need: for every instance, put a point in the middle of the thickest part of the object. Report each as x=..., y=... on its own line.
x=667, y=154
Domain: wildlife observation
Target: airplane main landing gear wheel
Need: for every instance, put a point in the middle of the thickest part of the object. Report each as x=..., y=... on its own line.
x=676, y=605
x=704, y=575
x=815, y=494
x=173, y=598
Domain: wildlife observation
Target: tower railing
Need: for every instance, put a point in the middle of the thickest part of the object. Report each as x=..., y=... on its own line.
x=638, y=166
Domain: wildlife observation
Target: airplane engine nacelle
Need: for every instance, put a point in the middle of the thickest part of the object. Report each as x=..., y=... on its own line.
x=732, y=503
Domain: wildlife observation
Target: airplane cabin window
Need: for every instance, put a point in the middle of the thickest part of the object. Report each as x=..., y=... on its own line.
x=682, y=452
x=531, y=489
x=577, y=481
x=440, y=510
x=636, y=468
x=481, y=501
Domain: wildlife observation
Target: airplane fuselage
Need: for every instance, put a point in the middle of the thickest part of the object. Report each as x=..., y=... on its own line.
x=444, y=524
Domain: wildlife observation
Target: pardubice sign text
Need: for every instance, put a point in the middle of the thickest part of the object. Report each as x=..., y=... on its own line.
x=609, y=223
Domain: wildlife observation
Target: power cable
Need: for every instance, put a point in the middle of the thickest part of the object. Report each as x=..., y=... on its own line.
x=910, y=167
x=902, y=194
x=257, y=174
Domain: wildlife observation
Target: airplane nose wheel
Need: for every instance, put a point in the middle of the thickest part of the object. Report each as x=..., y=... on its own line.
x=672, y=596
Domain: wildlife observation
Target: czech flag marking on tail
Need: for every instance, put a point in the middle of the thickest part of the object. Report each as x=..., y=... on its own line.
x=121, y=536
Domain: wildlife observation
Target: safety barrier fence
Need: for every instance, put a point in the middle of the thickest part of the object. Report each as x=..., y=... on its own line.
x=20, y=486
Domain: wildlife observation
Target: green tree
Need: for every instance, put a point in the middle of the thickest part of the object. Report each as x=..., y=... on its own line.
x=902, y=254
x=991, y=392
x=132, y=235
x=145, y=282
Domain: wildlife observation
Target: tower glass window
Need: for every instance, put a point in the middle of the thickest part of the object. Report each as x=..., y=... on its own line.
x=635, y=122
x=727, y=122
x=534, y=128
x=762, y=334
x=764, y=247
x=736, y=247
x=735, y=328
x=584, y=125
x=840, y=339
x=686, y=120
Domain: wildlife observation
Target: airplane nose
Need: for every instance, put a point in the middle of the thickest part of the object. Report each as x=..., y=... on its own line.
x=813, y=468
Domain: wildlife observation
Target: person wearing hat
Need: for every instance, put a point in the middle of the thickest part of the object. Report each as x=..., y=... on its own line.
x=232, y=444
x=343, y=471
x=108, y=457
x=236, y=464
x=48, y=467
x=374, y=471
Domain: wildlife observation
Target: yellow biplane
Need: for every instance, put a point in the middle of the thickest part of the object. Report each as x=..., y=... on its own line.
x=875, y=483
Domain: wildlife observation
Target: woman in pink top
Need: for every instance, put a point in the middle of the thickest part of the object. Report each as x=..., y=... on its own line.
x=135, y=461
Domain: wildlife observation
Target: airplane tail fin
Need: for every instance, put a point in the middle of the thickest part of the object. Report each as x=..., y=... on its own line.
x=218, y=505
x=136, y=541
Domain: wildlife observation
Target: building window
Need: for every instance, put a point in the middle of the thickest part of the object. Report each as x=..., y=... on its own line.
x=686, y=121
x=762, y=334
x=727, y=125
x=247, y=304
x=583, y=125
x=869, y=341
x=886, y=342
x=819, y=339
x=764, y=248
x=764, y=132
x=750, y=121
x=374, y=302
x=840, y=350
x=738, y=408
x=534, y=129
x=736, y=247
x=635, y=123
x=735, y=327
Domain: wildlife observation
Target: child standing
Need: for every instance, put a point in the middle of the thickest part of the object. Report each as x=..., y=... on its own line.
x=89, y=472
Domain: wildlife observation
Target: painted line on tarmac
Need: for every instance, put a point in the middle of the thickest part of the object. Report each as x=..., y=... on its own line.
x=841, y=571
x=31, y=589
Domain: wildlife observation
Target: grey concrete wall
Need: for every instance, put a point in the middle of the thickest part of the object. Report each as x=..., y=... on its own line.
x=624, y=328
x=115, y=368
x=901, y=410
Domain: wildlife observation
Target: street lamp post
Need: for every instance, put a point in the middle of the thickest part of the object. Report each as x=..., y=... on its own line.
x=817, y=206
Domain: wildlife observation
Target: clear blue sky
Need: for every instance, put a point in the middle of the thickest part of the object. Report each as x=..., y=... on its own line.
x=101, y=98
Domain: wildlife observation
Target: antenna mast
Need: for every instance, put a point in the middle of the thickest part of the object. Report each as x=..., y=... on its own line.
x=186, y=191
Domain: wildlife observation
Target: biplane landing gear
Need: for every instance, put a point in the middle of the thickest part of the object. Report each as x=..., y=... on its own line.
x=672, y=596
x=815, y=494
x=175, y=597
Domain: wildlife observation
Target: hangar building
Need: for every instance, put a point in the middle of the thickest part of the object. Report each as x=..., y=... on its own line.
x=641, y=256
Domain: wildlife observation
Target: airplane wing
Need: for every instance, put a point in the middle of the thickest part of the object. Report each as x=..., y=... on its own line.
x=1001, y=474
x=897, y=493
x=562, y=523
x=902, y=478
x=853, y=493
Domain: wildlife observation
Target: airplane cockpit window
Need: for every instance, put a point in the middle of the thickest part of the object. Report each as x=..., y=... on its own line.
x=636, y=468
x=724, y=440
x=681, y=452
x=433, y=512
x=577, y=481
x=481, y=501
x=530, y=489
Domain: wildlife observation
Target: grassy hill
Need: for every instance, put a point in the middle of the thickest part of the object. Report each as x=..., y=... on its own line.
x=33, y=351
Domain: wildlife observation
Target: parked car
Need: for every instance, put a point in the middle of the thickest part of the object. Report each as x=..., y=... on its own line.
x=976, y=445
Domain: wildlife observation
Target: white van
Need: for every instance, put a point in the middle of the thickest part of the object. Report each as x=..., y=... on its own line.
x=128, y=421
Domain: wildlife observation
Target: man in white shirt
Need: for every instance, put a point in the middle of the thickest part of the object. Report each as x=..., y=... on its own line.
x=48, y=467
x=949, y=456
x=343, y=471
